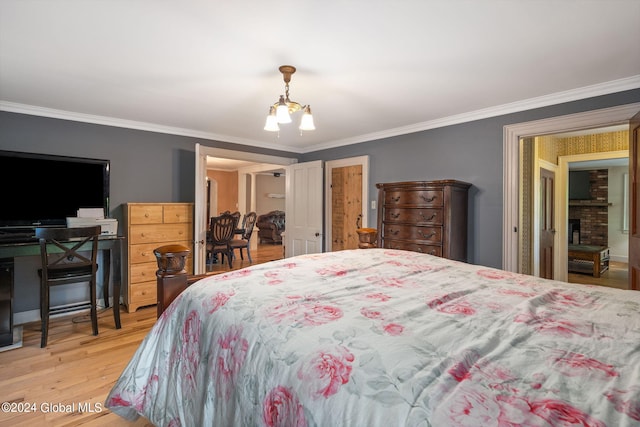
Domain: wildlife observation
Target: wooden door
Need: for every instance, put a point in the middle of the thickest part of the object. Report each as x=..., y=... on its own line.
x=547, y=226
x=346, y=206
x=634, y=201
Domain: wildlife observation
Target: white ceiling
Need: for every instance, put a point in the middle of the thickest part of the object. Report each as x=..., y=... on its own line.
x=369, y=69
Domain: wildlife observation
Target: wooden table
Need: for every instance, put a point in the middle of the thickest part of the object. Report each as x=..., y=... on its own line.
x=597, y=257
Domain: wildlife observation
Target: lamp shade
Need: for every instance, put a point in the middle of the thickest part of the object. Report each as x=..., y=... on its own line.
x=272, y=121
x=282, y=112
x=306, y=123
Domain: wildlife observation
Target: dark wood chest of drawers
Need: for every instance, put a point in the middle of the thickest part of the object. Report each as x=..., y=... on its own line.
x=424, y=216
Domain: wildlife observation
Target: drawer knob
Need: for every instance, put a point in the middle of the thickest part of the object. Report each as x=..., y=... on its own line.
x=424, y=217
x=428, y=199
x=393, y=232
x=146, y=214
x=426, y=236
x=395, y=199
x=395, y=215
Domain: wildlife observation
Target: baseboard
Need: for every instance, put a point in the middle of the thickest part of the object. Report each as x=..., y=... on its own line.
x=22, y=317
x=619, y=258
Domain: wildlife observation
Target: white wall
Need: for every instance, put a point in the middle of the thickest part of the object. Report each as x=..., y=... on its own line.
x=265, y=185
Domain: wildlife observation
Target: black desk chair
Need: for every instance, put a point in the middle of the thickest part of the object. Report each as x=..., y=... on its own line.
x=248, y=223
x=221, y=232
x=65, y=261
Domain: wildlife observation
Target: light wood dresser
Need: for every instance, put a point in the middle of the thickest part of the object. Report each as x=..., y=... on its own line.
x=424, y=216
x=147, y=227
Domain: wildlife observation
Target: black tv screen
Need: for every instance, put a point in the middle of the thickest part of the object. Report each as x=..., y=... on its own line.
x=579, y=185
x=43, y=189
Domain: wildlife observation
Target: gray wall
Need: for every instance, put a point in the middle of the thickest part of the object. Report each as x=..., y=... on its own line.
x=145, y=167
x=470, y=152
x=152, y=167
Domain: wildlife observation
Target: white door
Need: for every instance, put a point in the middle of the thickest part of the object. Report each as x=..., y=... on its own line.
x=303, y=230
x=199, y=220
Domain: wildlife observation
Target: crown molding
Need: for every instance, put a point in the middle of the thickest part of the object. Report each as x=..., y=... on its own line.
x=619, y=85
x=500, y=110
x=132, y=124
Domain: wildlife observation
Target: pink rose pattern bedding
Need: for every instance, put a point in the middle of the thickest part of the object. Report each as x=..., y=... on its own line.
x=381, y=337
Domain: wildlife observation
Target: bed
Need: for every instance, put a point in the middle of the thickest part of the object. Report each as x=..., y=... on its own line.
x=382, y=337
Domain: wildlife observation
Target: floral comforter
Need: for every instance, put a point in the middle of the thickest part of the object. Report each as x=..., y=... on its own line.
x=381, y=337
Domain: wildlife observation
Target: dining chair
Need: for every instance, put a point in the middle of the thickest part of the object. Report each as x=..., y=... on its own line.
x=249, y=222
x=68, y=256
x=221, y=232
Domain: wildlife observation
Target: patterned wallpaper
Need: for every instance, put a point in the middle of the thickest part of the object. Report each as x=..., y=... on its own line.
x=551, y=147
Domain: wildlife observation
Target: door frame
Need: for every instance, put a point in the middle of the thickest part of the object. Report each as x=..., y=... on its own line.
x=511, y=163
x=199, y=223
x=329, y=166
x=540, y=164
x=562, y=207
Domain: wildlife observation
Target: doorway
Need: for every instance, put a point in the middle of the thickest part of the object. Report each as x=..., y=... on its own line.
x=511, y=235
x=543, y=252
x=200, y=214
x=346, y=211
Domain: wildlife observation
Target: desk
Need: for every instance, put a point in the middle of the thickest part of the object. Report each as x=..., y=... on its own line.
x=588, y=258
x=8, y=251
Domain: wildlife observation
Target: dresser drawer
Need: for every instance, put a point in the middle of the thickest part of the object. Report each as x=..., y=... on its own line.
x=144, y=293
x=414, y=216
x=143, y=252
x=160, y=233
x=414, y=198
x=145, y=214
x=143, y=272
x=178, y=214
x=410, y=246
x=412, y=232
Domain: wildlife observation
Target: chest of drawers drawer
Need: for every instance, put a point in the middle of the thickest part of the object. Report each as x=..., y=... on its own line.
x=412, y=246
x=414, y=215
x=411, y=232
x=158, y=233
x=414, y=198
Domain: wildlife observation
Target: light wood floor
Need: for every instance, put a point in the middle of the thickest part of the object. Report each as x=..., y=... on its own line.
x=615, y=277
x=78, y=369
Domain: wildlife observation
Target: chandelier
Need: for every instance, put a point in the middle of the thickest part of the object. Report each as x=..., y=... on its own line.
x=281, y=111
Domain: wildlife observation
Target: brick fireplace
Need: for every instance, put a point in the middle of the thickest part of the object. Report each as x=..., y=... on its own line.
x=592, y=215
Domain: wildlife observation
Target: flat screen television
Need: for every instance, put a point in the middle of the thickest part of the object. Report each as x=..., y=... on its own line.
x=44, y=189
x=579, y=185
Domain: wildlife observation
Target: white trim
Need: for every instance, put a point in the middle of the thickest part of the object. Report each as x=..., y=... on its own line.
x=605, y=88
x=511, y=154
x=329, y=165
